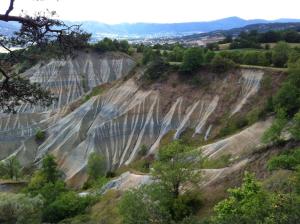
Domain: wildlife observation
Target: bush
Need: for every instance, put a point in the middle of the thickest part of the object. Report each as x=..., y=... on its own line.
x=149, y=55
x=10, y=168
x=96, y=167
x=288, y=161
x=220, y=64
x=156, y=69
x=143, y=151
x=20, y=209
x=66, y=205
x=40, y=136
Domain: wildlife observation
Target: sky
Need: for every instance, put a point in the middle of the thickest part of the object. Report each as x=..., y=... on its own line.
x=160, y=11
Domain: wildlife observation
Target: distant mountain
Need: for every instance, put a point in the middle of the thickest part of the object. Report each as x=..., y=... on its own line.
x=260, y=27
x=169, y=29
x=152, y=30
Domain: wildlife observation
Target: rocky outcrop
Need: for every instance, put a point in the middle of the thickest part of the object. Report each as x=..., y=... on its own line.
x=118, y=122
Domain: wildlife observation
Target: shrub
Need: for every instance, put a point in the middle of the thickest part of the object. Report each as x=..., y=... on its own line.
x=143, y=151
x=20, y=209
x=220, y=64
x=66, y=205
x=156, y=69
x=40, y=135
x=10, y=168
x=288, y=161
x=96, y=166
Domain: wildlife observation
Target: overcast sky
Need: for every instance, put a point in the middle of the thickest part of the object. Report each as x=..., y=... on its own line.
x=161, y=11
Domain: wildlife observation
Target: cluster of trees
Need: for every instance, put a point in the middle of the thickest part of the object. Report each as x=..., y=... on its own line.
x=59, y=202
x=190, y=60
x=253, y=39
x=112, y=45
x=279, y=56
x=45, y=199
x=10, y=168
x=286, y=105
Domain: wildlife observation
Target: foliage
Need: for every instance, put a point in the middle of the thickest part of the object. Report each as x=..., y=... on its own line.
x=288, y=96
x=112, y=45
x=20, y=209
x=246, y=204
x=148, y=204
x=17, y=90
x=232, y=125
x=220, y=64
x=59, y=202
x=10, y=168
x=156, y=69
x=280, y=54
x=41, y=31
x=288, y=161
x=40, y=135
x=67, y=204
x=250, y=204
x=49, y=169
x=246, y=40
x=96, y=166
x=273, y=134
x=106, y=209
x=149, y=55
x=176, y=54
x=193, y=58
x=160, y=202
x=143, y=151
x=295, y=129
x=174, y=166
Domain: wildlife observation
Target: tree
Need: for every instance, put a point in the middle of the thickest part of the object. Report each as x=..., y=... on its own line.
x=220, y=64
x=175, y=167
x=96, y=166
x=49, y=169
x=161, y=202
x=248, y=204
x=39, y=32
x=149, y=55
x=106, y=45
x=193, y=58
x=10, y=168
x=156, y=69
x=280, y=54
x=20, y=209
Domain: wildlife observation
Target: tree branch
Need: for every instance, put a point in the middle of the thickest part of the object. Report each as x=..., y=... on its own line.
x=10, y=8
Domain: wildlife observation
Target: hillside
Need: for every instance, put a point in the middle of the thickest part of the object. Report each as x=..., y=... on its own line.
x=125, y=116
